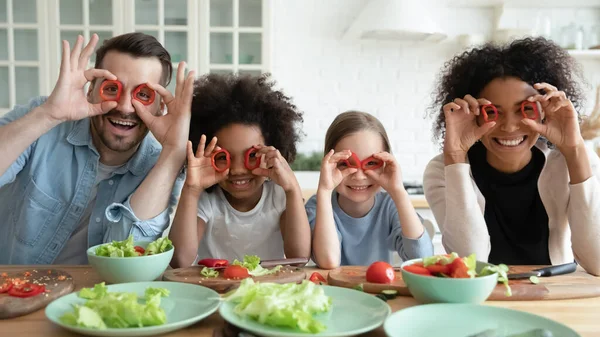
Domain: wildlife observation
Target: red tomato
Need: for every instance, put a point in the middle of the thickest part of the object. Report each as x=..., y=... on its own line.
x=139, y=250
x=381, y=272
x=439, y=269
x=26, y=290
x=317, y=278
x=6, y=285
x=236, y=272
x=417, y=270
x=459, y=269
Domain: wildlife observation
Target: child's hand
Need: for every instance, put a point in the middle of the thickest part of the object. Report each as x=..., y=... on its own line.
x=200, y=172
x=331, y=175
x=275, y=167
x=561, y=125
x=462, y=130
x=390, y=178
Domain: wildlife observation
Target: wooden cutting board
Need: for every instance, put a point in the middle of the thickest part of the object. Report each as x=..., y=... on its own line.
x=57, y=282
x=575, y=285
x=223, y=285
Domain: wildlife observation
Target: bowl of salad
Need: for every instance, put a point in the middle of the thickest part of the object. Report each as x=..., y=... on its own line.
x=452, y=279
x=129, y=261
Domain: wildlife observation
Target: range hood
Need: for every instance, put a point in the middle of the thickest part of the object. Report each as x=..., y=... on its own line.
x=405, y=20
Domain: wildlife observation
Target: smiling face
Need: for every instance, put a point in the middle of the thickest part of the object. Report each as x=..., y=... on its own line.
x=121, y=130
x=242, y=188
x=358, y=188
x=509, y=143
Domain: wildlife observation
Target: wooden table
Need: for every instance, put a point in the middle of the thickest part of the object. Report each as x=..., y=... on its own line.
x=582, y=315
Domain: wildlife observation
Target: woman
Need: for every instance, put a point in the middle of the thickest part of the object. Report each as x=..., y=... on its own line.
x=515, y=183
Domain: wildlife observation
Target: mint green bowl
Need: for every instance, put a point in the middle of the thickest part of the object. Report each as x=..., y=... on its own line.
x=130, y=269
x=428, y=289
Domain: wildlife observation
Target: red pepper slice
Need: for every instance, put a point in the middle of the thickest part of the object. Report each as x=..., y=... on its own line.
x=212, y=263
x=146, y=90
x=219, y=163
x=317, y=278
x=371, y=163
x=26, y=290
x=487, y=110
x=6, y=285
x=251, y=162
x=139, y=250
x=530, y=110
x=111, y=96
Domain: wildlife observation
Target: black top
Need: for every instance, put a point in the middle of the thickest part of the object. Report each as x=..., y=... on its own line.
x=515, y=216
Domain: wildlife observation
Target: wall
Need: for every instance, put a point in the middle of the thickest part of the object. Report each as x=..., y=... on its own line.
x=327, y=75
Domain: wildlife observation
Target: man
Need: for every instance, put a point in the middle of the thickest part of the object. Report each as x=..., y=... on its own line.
x=70, y=163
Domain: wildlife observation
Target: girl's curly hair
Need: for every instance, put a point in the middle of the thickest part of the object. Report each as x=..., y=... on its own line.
x=220, y=100
x=533, y=60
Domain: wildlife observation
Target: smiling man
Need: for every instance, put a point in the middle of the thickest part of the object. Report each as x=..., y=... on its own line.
x=70, y=163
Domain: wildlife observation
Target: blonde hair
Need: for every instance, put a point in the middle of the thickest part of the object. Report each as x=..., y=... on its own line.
x=350, y=122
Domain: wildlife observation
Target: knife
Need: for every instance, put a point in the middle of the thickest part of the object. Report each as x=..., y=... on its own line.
x=560, y=269
x=296, y=262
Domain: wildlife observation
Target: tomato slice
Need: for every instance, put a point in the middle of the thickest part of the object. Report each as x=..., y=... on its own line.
x=459, y=269
x=26, y=290
x=6, y=285
x=417, y=270
x=139, y=250
x=235, y=272
x=439, y=268
x=317, y=278
x=381, y=272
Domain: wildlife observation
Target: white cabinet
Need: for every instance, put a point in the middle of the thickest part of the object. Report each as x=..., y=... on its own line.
x=219, y=36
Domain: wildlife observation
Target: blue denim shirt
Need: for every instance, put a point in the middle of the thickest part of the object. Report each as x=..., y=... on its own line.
x=46, y=190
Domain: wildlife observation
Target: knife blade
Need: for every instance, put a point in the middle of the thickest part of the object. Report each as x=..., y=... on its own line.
x=560, y=269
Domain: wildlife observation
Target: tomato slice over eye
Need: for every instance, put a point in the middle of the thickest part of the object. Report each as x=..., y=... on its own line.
x=236, y=272
x=381, y=272
x=26, y=290
x=317, y=278
x=6, y=286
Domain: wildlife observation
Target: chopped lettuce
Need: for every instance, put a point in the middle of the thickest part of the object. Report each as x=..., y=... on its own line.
x=252, y=263
x=117, y=310
x=285, y=305
x=501, y=269
x=209, y=272
x=126, y=248
x=443, y=259
x=471, y=263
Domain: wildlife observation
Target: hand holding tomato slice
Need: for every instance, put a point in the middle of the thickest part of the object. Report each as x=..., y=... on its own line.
x=381, y=272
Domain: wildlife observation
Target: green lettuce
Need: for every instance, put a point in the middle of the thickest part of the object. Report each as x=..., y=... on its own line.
x=209, y=272
x=252, y=263
x=117, y=310
x=502, y=271
x=443, y=259
x=285, y=305
x=161, y=245
x=126, y=248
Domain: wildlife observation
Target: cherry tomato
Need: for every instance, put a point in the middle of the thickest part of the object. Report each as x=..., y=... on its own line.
x=317, y=278
x=26, y=290
x=236, y=272
x=139, y=250
x=417, y=270
x=381, y=272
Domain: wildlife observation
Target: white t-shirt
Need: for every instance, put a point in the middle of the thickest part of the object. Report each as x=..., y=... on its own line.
x=231, y=234
x=74, y=251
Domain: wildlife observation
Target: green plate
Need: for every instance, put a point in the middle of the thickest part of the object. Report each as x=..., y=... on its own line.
x=186, y=305
x=463, y=320
x=353, y=312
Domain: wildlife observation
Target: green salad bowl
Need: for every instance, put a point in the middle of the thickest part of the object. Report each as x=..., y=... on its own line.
x=130, y=269
x=431, y=289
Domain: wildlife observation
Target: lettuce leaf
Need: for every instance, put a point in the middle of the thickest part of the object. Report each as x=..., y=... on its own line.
x=161, y=245
x=285, y=305
x=209, y=272
x=252, y=263
x=126, y=248
x=443, y=259
x=502, y=270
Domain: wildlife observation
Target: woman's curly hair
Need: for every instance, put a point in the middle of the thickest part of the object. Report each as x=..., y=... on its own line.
x=221, y=100
x=533, y=60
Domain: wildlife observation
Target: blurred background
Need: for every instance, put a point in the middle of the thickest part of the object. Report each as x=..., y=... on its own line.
x=378, y=56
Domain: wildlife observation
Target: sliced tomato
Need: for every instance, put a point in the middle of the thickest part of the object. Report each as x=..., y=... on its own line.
x=417, y=270
x=458, y=269
x=235, y=272
x=6, y=285
x=139, y=250
x=317, y=278
x=439, y=268
x=26, y=290
x=381, y=272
